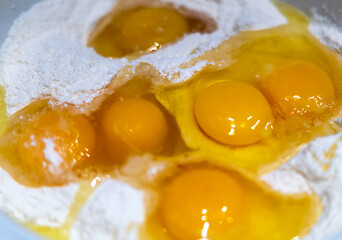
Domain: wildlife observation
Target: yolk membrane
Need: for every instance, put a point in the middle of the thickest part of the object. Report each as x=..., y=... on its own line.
x=201, y=202
x=301, y=88
x=69, y=139
x=233, y=113
x=135, y=123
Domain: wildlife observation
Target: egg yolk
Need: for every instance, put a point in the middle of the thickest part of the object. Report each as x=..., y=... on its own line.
x=233, y=113
x=52, y=142
x=136, y=123
x=150, y=28
x=201, y=203
x=300, y=89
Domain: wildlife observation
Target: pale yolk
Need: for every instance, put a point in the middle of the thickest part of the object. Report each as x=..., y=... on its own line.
x=151, y=28
x=201, y=203
x=135, y=122
x=301, y=88
x=233, y=113
x=55, y=141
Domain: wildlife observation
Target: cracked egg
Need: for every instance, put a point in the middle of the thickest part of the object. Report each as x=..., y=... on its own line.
x=199, y=201
x=264, y=95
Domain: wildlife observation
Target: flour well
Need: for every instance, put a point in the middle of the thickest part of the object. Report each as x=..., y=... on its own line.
x=45, y=55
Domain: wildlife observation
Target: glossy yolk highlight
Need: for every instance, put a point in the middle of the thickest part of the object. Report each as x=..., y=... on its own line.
x=200, y=203
x=233, y=113
x=301, y=89
x=135, y=123
x=55, y=141
x=151, y=28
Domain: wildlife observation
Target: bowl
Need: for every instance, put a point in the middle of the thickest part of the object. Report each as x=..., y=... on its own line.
x=11, y=9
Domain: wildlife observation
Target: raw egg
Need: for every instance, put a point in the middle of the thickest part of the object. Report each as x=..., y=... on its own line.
x=142, y=30
x=129, y=123
x=264, y=95
x=301, y=89
x=233, y=113
x=205, y=202
x=137, y=123
x=151, y=28
x=211, y=200
x=48, y=144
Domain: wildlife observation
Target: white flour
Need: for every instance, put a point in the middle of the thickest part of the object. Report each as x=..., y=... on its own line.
x=52, y=156
x=327, y=33
x=40, y=206
x=114, y=211
x=308, y=168
x=46, y=55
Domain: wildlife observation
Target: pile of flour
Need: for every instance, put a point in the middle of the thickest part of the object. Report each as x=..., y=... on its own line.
x=45, y=54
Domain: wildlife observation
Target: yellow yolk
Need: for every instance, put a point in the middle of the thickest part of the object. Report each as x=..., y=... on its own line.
x=233, y=113
x=53, y=142
x=301, y=88
x=200, y=203
x=150, y=28
x=145, y=29
x=135, y=123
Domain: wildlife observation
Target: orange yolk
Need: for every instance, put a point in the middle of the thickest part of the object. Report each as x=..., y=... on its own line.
x=54, y=141
x=151, y=28
x=135, y=123
x=233, y=113
x=201, y=203
x=301, y=88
